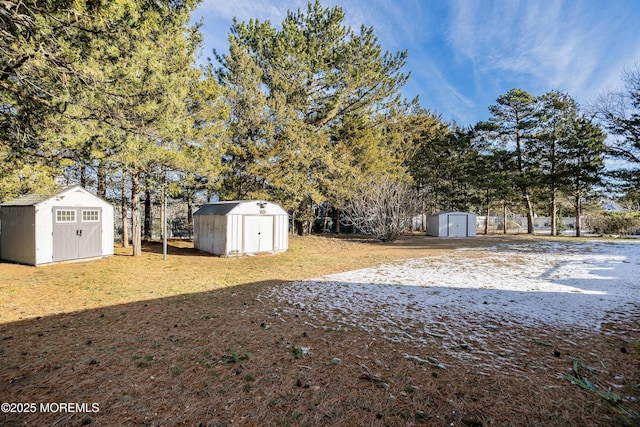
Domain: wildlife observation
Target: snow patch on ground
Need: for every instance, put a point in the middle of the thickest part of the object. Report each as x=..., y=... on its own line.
x=463, y=297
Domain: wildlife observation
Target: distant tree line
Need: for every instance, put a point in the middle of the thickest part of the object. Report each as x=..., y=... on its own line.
x=307, y=114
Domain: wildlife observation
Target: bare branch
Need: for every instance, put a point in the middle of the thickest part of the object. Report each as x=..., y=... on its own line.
x=382, y=209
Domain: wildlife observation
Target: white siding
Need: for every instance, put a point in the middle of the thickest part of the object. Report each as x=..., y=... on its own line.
x=250, y=226
x=472, y=225
x=107, y=229
x=44, y=230
x=234, y=236
x=74, y=197
x=281, y=233
x=211, y=235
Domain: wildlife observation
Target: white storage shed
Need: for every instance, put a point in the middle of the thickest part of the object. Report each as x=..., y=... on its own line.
x=241, y=227
x=451, y=224
x=69, y=225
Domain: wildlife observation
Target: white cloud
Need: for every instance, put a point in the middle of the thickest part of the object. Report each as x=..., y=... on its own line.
x=464, y=53
x=575, y=47
x=439, y=92
x=246, y=9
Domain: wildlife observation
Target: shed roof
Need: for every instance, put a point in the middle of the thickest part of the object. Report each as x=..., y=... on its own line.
x=451, y=212
x=220, y=208
x=226, y=208
x=35, y=198
x=26, y=200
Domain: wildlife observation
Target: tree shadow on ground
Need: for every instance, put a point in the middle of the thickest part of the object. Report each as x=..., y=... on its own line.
x=242, y=356
x=248, y=355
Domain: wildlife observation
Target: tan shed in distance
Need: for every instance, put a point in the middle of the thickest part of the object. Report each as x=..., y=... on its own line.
x=241, y=227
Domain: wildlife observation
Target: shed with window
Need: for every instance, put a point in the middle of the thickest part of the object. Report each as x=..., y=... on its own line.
x=70, y=225
x=241, y=227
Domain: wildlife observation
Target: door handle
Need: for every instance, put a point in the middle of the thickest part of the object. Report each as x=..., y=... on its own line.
x=78, y=232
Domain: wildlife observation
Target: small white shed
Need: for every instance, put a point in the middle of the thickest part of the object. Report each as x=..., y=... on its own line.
x=241, y=227
x=451, y=224
x=69, y=225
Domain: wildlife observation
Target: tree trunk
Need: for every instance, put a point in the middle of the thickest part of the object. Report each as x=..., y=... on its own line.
x=102, y=180
x=164, y=201
x=190, y=213
x=337, y=220
x=125, y=225
x=554, y=191
x=83, y=174
x=524, y=187
x=529, y=205
x=148, y=219
x=163, y=211
x=486, y=221
x=554, y=217
x=136, y=232
x=504, y=218
x=578, y=215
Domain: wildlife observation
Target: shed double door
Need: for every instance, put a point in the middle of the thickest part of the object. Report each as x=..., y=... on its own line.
x=457, y=225
x=258, y=233
x=77, y=233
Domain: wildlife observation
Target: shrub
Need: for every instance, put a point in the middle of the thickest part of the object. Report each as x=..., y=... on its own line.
x=624, y=223
x=382, y=209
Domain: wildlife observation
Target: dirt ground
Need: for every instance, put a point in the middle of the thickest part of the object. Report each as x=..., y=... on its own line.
x=197, y=341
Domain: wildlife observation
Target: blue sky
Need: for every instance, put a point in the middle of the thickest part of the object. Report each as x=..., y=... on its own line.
x=463, y=54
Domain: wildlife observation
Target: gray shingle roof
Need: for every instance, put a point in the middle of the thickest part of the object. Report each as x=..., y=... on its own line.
x=220, y=208
x=34, y=199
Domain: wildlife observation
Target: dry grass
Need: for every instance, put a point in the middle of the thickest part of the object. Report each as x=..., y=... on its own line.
x=194, y=341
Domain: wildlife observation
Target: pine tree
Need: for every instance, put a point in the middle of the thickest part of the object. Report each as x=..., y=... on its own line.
x=293, y=89
x=583, y=168
x=514, y=120
x=556, y=114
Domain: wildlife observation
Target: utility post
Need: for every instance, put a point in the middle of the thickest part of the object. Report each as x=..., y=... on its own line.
x=164, y=213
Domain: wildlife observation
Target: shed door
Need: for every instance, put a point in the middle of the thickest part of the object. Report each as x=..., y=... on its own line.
x=77, y=233
x=258, y=233
x=90, y=239
x=457, y=226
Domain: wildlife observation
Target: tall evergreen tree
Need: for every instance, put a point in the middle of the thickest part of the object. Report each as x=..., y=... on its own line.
x=87, y=81
x=60, y=61
x=293, y=88
x=493, y=172
x=441, y=167
x=556, y=116
x=42, y=45
x=583, y=168
x=514, y=118
x=143, y=91
x=249, y=128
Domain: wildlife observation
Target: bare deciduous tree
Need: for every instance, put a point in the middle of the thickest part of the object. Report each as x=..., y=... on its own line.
x=382, y=209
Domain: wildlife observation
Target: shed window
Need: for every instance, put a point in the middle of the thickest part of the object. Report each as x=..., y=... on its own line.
x=91, y=216
x=65, y=216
